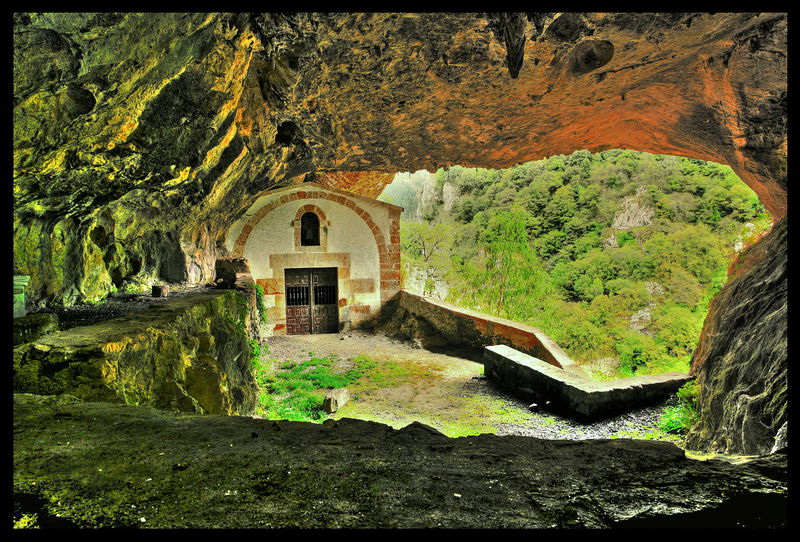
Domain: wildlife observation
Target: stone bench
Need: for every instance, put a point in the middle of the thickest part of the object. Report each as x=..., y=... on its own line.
x=530, y=378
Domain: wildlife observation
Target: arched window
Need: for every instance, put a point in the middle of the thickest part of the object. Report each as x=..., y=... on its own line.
x=309, y=230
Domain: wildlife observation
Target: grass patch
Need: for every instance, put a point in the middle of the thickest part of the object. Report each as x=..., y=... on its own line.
x=679, y=417
x=648, y=433
x=297, y=389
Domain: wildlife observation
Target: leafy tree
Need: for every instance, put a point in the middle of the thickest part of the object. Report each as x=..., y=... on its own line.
x=536, y=234
x=426, y=247
x=509, y=263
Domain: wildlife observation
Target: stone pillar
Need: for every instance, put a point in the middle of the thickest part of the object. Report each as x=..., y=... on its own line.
x=390, y=264
x=20, y=282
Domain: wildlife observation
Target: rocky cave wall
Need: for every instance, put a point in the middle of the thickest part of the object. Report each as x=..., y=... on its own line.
x=139, y=138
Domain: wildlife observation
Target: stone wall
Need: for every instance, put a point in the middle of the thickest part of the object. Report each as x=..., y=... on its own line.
x=464, y=327
x=190, y=354
x=533, y=379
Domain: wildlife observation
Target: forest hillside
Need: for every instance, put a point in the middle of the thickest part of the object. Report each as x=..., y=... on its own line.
x=615, y=255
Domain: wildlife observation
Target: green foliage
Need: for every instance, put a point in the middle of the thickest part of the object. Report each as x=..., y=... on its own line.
x=26, y=521
x=634, y=351
x=534, y=243
x=255, y=352
x=680, y=417
x=296, y=392
x=426, y=248
x=260, y=304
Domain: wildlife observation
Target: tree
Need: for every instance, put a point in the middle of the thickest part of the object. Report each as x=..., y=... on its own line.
x=426, y=248
x=510, y=267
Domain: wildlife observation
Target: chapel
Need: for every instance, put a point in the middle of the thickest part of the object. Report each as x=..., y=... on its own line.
x=327, y=259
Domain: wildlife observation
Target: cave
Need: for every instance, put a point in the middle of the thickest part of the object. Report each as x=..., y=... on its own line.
x=146, y=144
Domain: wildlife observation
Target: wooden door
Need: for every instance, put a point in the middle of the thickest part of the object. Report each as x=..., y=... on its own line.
x=311, y=300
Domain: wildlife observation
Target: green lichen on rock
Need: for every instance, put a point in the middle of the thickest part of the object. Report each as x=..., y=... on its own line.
x=185, y=355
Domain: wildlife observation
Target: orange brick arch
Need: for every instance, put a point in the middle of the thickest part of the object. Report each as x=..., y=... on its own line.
x=388, y=256
x=311, y=209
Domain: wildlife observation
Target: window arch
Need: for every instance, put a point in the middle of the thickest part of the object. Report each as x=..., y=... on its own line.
x=309, y=230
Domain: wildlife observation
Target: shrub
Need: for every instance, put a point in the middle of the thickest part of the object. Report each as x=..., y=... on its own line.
x=680, y=417
x=635, y=350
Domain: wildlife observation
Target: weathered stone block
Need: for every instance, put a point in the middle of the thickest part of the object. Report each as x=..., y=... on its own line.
x=572, y=393
x=335, y=399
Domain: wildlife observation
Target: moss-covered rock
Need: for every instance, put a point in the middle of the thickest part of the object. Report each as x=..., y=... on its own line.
x=32, y=326
x=189, y=354
x=111, y=465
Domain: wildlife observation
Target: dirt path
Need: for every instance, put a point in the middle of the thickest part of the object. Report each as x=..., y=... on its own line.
x=446, y=392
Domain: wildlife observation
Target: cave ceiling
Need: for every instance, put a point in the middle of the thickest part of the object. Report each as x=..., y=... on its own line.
x=137, y=135
x=214, y=100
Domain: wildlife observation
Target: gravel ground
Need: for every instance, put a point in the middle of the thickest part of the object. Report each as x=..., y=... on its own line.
x=539, y=424
x=638, y=420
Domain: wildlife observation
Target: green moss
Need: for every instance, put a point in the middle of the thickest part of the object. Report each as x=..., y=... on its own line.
x=26, y=521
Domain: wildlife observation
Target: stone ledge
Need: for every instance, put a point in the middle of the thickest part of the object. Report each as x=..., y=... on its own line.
x=578, y=396
x=186, y=354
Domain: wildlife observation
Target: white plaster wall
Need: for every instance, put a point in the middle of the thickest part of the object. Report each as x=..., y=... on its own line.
x=379, y=213
x=347, y=233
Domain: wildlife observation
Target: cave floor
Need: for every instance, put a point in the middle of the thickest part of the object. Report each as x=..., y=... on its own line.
x=446, y=390
x=86, y=464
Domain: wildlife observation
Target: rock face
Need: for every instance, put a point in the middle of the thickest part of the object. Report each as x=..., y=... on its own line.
x=189, y=354
x=741, y=360
x=127, y=466
x=139, y=138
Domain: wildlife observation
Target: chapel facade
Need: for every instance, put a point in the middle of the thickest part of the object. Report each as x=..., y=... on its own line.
x=327, y=259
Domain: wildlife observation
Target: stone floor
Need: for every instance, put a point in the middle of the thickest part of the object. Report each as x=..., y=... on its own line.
x=455, y=399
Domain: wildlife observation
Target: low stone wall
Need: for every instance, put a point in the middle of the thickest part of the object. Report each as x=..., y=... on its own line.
x=533, y=379
x=465, y=327
x=189, y=354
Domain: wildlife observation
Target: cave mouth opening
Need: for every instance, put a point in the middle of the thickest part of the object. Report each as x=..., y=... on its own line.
x=615, y=255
